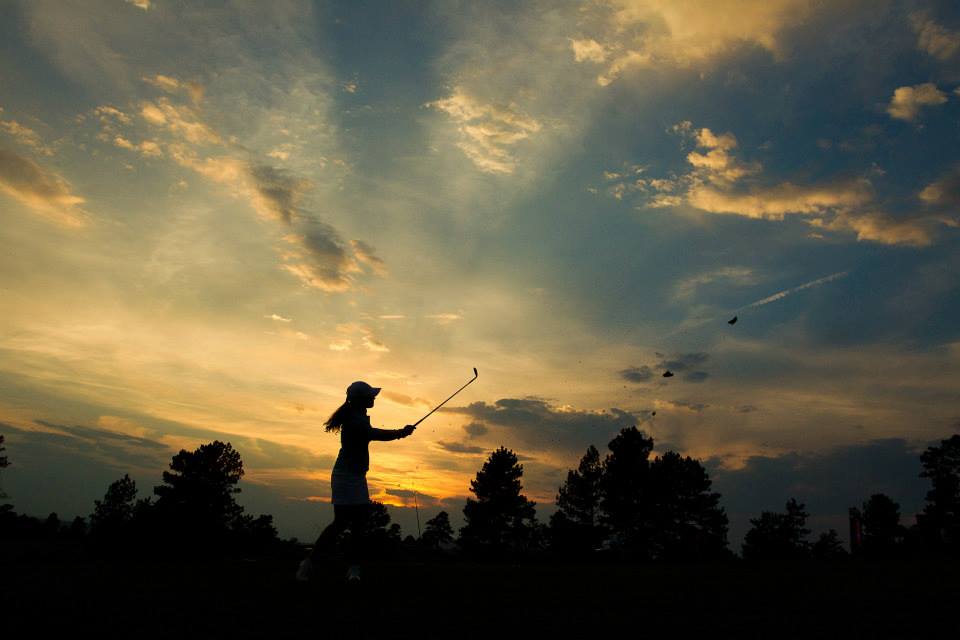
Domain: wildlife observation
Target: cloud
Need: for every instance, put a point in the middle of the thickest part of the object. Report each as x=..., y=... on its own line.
x=405, y=400
x=935, y=39
x=409, y=497
x=142, y=4
x=717, y=165
x=444, y=318
x=588, y=50
x=459, y=447
x=718, y=183
x=696, y=376
x=279, y=193
x=738, y=276
x=907, y=101
x=25, y=135
x=695, y=407
x=180, y=120
x=828, y=481
x=278, y=318
x=40, y=189
x=365, y=254
x=534, y=422
x=314, y=252
x=627, y=34
x=171, y=84
x=683, y=362
x=943, y=192
x=916, y=231
x=341, y=344
x=637, y=374
x=488, y=133
x=773, y=203
x=149, y=148
x=475, y=429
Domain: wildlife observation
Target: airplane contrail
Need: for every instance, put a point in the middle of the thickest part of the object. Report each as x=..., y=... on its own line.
x=786, y=292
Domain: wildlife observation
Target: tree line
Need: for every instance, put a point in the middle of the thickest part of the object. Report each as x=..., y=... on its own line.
x=629, y=503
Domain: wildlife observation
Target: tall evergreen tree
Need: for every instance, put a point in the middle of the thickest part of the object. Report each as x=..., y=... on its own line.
x=111, y=516
x=576, y=523
x=828, y=546
x=881, y=525
x=625, y=490
x=4, y=463
x=437, y=531
x=939, y=524
x=778, y=536
x=687, y=519
x=197, y=497
x=500, y=517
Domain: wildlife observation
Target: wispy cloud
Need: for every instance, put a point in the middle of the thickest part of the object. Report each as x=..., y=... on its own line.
x=42, y=190
x=934, y=38
x=488, y=132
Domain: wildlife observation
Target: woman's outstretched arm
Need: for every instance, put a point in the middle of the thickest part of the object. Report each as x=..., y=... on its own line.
x=391, y=434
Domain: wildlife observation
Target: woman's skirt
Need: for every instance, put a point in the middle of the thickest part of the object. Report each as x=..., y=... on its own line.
x=349, y=488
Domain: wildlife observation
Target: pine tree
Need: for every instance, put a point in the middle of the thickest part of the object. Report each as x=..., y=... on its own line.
x=4, y=463
x=575, y=526
x=500, y=517
x=112, y=515
x=625, y=499
x=881, y=525
x=939, y=524
x=437, y=531
x=196, y=498
x=688, y=521
x=828, y=546
x=778, y=536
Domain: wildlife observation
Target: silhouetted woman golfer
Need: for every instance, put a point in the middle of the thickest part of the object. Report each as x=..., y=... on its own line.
x=351, y=500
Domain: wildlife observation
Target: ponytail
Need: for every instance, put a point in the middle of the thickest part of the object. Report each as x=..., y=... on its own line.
x=335, y=422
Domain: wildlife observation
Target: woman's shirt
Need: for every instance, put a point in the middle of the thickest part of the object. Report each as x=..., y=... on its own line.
x=355, y=436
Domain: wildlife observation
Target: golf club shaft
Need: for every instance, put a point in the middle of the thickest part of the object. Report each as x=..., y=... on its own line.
x=475, y=374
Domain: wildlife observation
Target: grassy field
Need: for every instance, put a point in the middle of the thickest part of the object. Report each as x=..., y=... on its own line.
x=65, y=591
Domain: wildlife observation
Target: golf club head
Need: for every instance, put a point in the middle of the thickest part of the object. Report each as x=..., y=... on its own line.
x=475, y=374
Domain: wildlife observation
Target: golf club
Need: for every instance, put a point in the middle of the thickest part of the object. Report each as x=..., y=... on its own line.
x=475, y=374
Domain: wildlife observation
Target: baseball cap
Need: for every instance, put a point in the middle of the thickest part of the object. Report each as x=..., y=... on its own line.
x=361, y=389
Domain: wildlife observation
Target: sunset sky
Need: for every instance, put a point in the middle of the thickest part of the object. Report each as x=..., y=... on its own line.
x=215, y=216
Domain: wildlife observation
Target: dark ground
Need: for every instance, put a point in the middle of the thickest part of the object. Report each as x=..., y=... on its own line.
x=62, y=589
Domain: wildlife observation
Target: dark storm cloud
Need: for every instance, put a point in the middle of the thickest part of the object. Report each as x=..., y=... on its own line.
x=692, y=406
x=637, y=374
x=828, y=483
x=683, y=362
x=38, y=188
x=475, y=429
x=686, y=363
x=535, y=422
x=280, y=191
x=409, y=495
x=324, y=259
x=460, y=447
x=114, y=449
